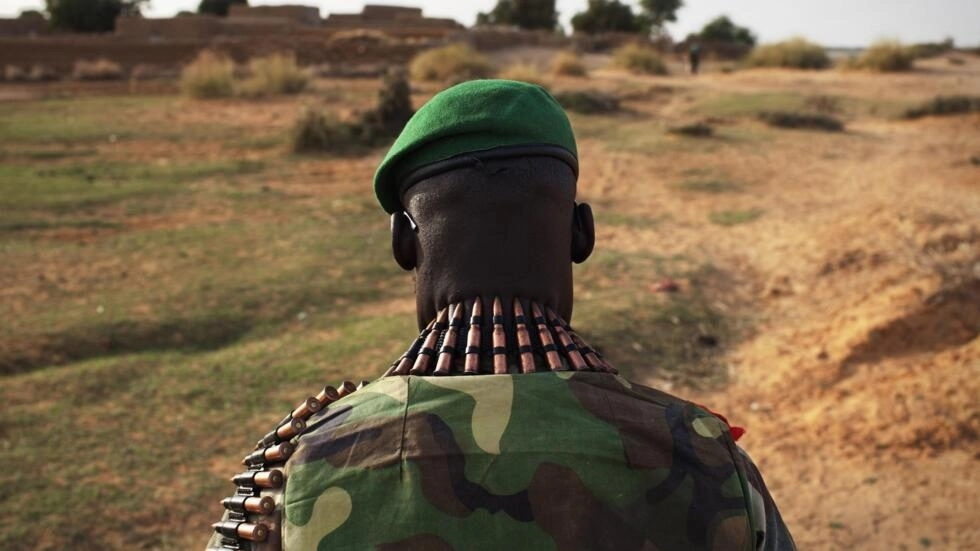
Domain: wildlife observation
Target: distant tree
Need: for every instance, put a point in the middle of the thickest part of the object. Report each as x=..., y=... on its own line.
x=218, y=7
x=605, y=16
x=90, y=16
x=526, y=14
x=721, y=29
x=656, y=13
x=30, y=14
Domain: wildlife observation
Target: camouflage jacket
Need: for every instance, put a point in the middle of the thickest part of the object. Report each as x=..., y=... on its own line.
x=552, y=460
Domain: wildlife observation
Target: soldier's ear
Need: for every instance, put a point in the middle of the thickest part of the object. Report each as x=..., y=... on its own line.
x=583, y=233
x=403, y=239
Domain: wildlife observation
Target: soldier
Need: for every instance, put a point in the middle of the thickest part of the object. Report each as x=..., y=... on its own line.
x=499, y=427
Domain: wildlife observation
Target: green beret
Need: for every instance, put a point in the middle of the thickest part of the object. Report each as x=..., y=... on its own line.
x=478, y=115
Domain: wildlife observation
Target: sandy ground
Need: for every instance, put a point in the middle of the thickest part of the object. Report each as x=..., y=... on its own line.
x=859, y=387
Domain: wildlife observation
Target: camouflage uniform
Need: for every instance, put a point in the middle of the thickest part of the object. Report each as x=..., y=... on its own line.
x=550, y=460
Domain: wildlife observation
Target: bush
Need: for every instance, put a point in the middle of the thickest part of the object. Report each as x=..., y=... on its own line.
x=587, y=101
x=639, y=60
x=99, y=69
x=275, y=74
x=931, y=49
x=796, y=53
x=13, y=73
x=886, y=56
x=568, y=64
x=525, y=72
x=315, y=132
x=787, y=119
x=208, y=76
x=945, y=105
x=694, y=130
x=453, y=63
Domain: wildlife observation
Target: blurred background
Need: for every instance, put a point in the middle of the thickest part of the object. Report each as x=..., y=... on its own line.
x=190, y=245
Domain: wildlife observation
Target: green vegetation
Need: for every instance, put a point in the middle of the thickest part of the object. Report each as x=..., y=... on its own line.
x=722, y=29
x=526, y=14
x=90, y=16
x=606, y=16
x=885, y=56
x=797, y=53
x=316, y=132
x=453, y=63
x=638, y=59
x=209, y=76
x=734, y=217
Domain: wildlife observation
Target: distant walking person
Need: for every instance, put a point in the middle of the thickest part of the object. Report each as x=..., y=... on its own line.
x=694, y=54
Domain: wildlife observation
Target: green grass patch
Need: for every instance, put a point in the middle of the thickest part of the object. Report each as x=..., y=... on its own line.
x=749, y=104
x=734, y=217
x=709, y=186
x=69, y=188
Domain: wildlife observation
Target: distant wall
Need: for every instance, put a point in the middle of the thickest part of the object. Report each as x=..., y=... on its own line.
x=23, y=26
x=182, y=27
x=59, y=53
x=304, y=15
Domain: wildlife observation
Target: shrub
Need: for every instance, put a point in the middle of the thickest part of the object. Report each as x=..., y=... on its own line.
x=453, y=63
x=788, y=119
x=945, y=105
x=99, y=69
x=275, y=74
x=639, y=60
x=796, y=53
x=886, y=56
x=695, y=130
x=525, y=72
x=587, y=101
x=315, y=132
x=40, y=73
x=13, y=73
x=208, y=76
x=568, y=64
x=931, y=49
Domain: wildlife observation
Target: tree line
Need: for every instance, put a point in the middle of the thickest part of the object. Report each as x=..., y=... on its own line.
x=599, y=16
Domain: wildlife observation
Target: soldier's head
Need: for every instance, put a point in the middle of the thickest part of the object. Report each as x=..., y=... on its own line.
x=481, y=190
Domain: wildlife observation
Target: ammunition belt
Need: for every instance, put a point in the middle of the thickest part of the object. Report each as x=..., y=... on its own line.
x=253, y=515
x=450, y=345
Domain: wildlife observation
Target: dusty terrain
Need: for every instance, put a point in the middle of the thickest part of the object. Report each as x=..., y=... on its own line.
x=841, y=272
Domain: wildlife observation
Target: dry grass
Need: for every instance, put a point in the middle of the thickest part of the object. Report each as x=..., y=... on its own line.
x=210, y=75
x=568, y=64
x=275, y=74
x=524, y=72
x=99, y=69
x=945, y=105
x=885, y=56
x=453, y=63
x=587, y=101
x=639, y=60
x=797, y=53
